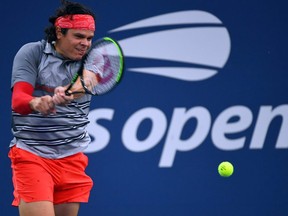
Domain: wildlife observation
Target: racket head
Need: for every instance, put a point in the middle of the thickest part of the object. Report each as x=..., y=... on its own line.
x=109, y=59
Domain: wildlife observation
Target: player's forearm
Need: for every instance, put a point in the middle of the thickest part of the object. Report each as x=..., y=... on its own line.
x=24, y=103
x=89, y=81
x=21, y=98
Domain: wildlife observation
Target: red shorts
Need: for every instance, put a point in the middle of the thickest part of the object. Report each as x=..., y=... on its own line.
x=56, y=180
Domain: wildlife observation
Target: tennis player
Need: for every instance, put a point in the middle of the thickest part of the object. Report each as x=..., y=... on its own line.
x=49, y=127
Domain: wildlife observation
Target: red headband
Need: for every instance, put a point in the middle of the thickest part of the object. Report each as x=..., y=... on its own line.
x=76, y=21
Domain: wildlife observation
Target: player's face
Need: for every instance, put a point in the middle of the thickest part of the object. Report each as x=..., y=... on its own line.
x=74, y=44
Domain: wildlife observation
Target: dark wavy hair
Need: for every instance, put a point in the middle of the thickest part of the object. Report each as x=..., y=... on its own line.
x=66, y=8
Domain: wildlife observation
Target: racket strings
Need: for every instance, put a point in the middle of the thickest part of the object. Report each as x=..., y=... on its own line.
x=109, y=69
x=109, y=75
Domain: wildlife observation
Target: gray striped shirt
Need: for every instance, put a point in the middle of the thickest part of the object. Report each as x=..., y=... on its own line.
x=56, y=135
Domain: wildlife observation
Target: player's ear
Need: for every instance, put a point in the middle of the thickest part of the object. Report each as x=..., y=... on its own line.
x=59, y=33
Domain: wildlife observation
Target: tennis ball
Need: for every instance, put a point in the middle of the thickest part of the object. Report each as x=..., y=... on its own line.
x=225, y=169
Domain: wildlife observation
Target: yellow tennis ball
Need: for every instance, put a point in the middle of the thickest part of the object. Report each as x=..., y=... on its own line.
x=225, y=169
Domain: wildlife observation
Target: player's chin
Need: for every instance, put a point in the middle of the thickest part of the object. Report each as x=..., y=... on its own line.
x=78, y=56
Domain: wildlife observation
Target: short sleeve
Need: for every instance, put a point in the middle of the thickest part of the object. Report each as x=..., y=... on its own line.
x=25, y=63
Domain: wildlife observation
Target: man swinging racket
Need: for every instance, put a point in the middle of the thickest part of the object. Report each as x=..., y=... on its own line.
x=49, y=126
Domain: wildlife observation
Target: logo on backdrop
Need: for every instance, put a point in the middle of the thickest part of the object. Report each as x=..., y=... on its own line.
x=188, y=45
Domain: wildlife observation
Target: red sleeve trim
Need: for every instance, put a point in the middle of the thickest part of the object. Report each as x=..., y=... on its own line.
x=21, y=97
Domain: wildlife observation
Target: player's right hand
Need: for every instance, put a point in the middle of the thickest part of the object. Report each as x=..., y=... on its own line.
x=44, y=105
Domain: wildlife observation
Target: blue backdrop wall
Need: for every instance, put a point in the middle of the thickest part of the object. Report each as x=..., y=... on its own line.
x=205, y=82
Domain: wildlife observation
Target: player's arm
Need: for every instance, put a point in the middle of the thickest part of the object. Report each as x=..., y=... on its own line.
x=90, y=79
x=24, y=103
x=24, y=73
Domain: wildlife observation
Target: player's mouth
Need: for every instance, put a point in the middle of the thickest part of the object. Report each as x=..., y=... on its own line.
x=81, y=51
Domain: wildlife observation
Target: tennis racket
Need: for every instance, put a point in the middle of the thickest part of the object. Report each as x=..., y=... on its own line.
x=105, y=59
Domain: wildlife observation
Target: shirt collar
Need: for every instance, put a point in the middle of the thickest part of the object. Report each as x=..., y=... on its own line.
x=50, y=50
